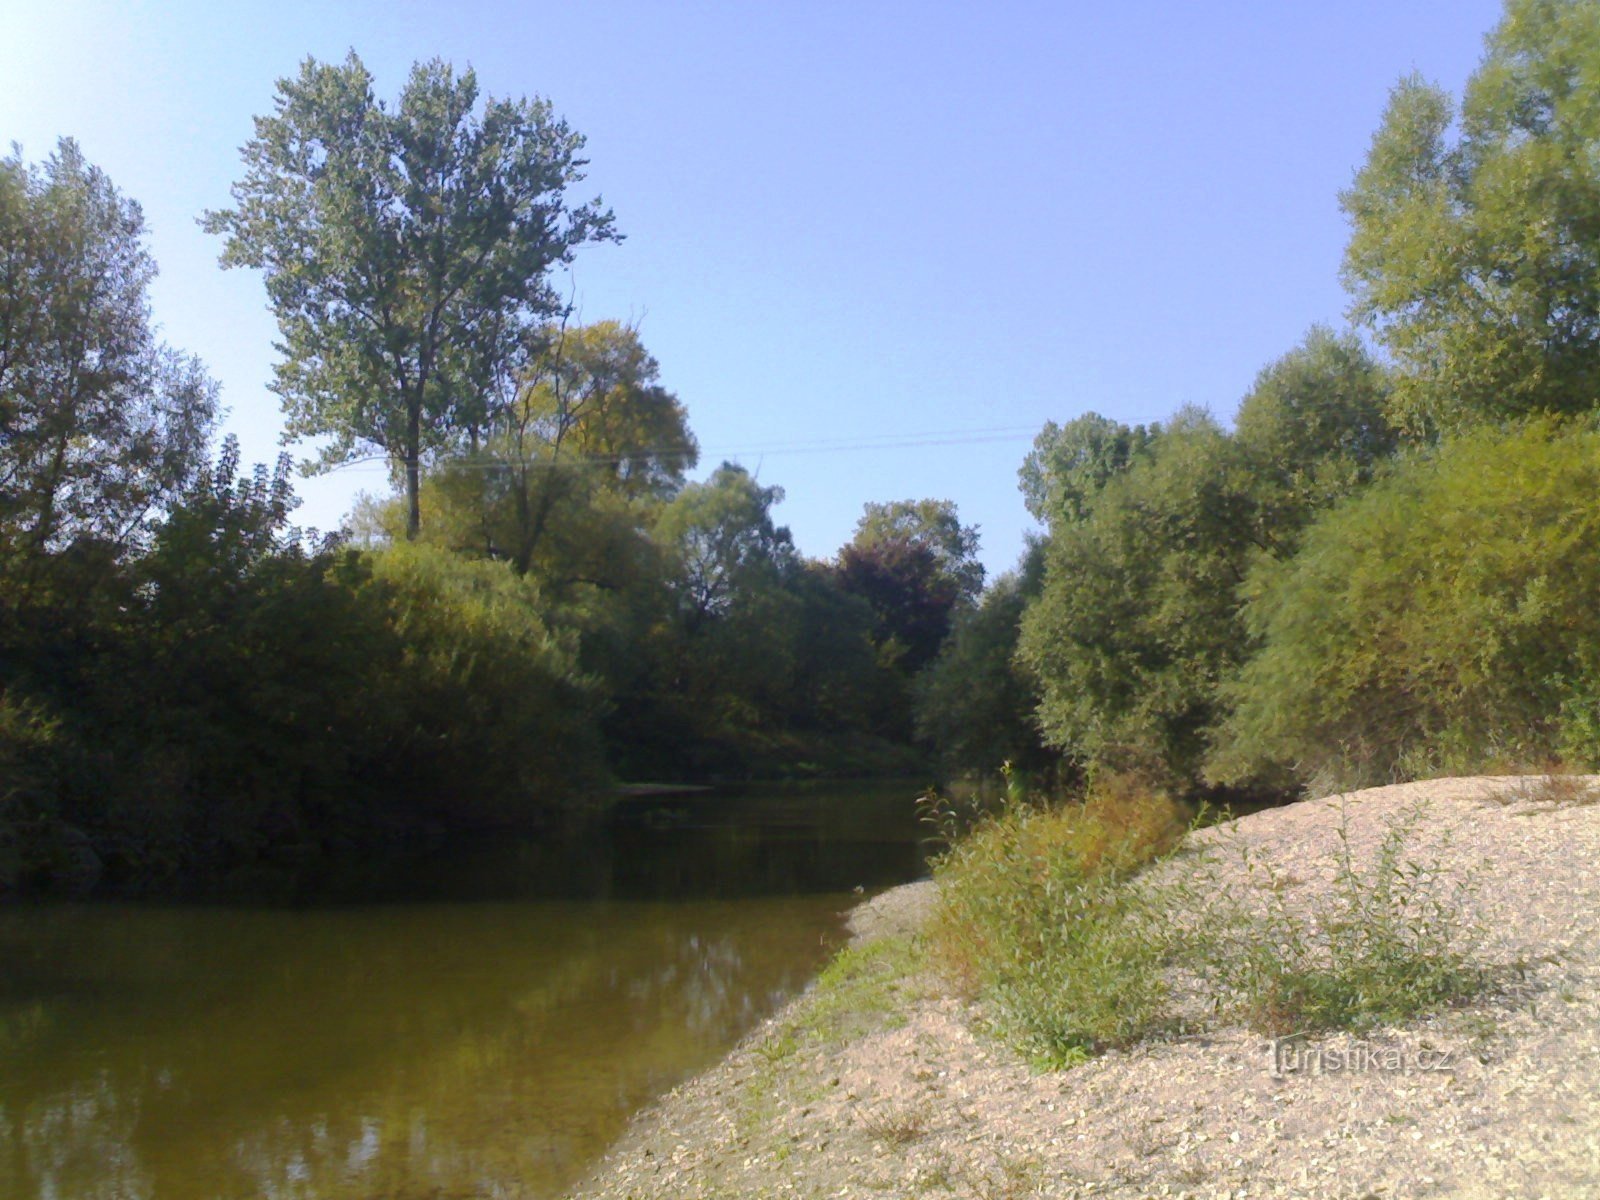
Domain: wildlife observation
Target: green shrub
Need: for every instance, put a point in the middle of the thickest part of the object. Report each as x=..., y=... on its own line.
x=1035, y=920
x=1441, y=620
x=1046, y=919
x=228, y=700
x=493, y=716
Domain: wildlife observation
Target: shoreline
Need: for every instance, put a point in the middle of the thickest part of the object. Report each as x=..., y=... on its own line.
x=651, y=1142
x=872, y=1083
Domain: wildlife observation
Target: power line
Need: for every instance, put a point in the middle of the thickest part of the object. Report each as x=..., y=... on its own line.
x=887, y=441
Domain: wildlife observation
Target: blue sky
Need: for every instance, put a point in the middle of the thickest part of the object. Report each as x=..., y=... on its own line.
x=874, y=246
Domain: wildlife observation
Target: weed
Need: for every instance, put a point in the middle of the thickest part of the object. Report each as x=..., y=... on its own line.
x=1382, y=944
x=1045, y=918
x=1192, y=1174
x=1145, y=1141
x=935, y=1175
x=1555, y=790
x=779, y=1047
x=895, y=1127
x=1012, y=1179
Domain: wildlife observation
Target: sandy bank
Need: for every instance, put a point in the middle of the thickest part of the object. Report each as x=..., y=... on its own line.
x=875, y=1084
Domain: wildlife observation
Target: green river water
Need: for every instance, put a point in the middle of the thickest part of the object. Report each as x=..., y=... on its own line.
x=479, y=1023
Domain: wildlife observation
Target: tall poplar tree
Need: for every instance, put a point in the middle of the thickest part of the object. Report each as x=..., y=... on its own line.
x=407, y=254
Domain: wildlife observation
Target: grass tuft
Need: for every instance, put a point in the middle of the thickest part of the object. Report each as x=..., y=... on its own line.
x=1555, y=790
x=895, y=1127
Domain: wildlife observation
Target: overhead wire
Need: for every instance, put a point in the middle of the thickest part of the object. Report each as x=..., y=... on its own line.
x=887, y=441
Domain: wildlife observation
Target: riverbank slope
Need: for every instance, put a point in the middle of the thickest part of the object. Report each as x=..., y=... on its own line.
x=875, y=1084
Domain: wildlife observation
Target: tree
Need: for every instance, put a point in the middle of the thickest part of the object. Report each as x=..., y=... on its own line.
x=1475, y=244
x=1069, y=464
x=1138, y=625
x=1136, y=622
x=712, y=666
x=933, y=524
x=723, y=542
x=1313, y=428
x=975, y=702
x=915, y=564
x=911, y=596
x=100, y=424
x=406, y=254
x=591, y=432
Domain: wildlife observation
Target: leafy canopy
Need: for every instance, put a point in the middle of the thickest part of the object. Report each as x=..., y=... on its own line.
x=577, y=467
x=1440, y=618
x=722, y=542
x=1475, y=233
x=406, y=252
x=1153, y=531
x=100, y=424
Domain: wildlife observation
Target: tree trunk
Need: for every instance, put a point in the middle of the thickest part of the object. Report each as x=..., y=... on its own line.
x=413, y=457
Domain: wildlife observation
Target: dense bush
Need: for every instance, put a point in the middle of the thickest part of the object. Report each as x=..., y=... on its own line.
x=1442, y=620
x=1137, y=624
x=235, y=695
x=975, y=702
x=1034, y=919
x=1078, y=928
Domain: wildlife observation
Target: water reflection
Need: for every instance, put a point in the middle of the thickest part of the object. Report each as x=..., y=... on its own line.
x=448, y=1048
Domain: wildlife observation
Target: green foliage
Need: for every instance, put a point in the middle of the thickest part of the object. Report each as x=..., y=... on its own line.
x=406, y=252
x=1050, y=917
x=975, y=702
x=236, y=696
x=1137, y=625
x=762, y=662
x=572, y=473
x=914, y=566
x=1136, y=620
x=596, y=392
x=1035, y=919
x=1388, y=941
x=723, y=543
x=1071, y=463
x=100, y=424
x=933, y=525
x=499, y=721
x=1313, y=428
x=1473, y=252
x=1439, y=620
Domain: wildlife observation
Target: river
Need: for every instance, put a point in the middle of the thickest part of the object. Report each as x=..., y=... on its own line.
x=478, y=1022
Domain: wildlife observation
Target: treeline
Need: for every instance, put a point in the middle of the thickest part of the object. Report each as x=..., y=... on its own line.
x=193, y=690
x=1386, y=568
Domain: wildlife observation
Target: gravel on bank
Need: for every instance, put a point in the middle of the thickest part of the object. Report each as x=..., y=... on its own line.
x=1497, y=1100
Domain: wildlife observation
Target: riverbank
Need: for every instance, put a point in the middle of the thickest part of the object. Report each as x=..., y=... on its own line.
x=875, y=1083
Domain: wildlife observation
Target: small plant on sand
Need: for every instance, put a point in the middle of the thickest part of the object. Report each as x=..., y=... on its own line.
x=1558, y=789
x=894, y=1127
x=1048, y=918
x=1384, y=942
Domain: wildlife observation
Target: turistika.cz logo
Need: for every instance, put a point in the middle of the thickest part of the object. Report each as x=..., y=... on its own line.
x=1292, y=1055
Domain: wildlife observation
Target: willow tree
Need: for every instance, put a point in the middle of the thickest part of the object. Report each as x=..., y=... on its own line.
x=407, y=254
x=1475, y=246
